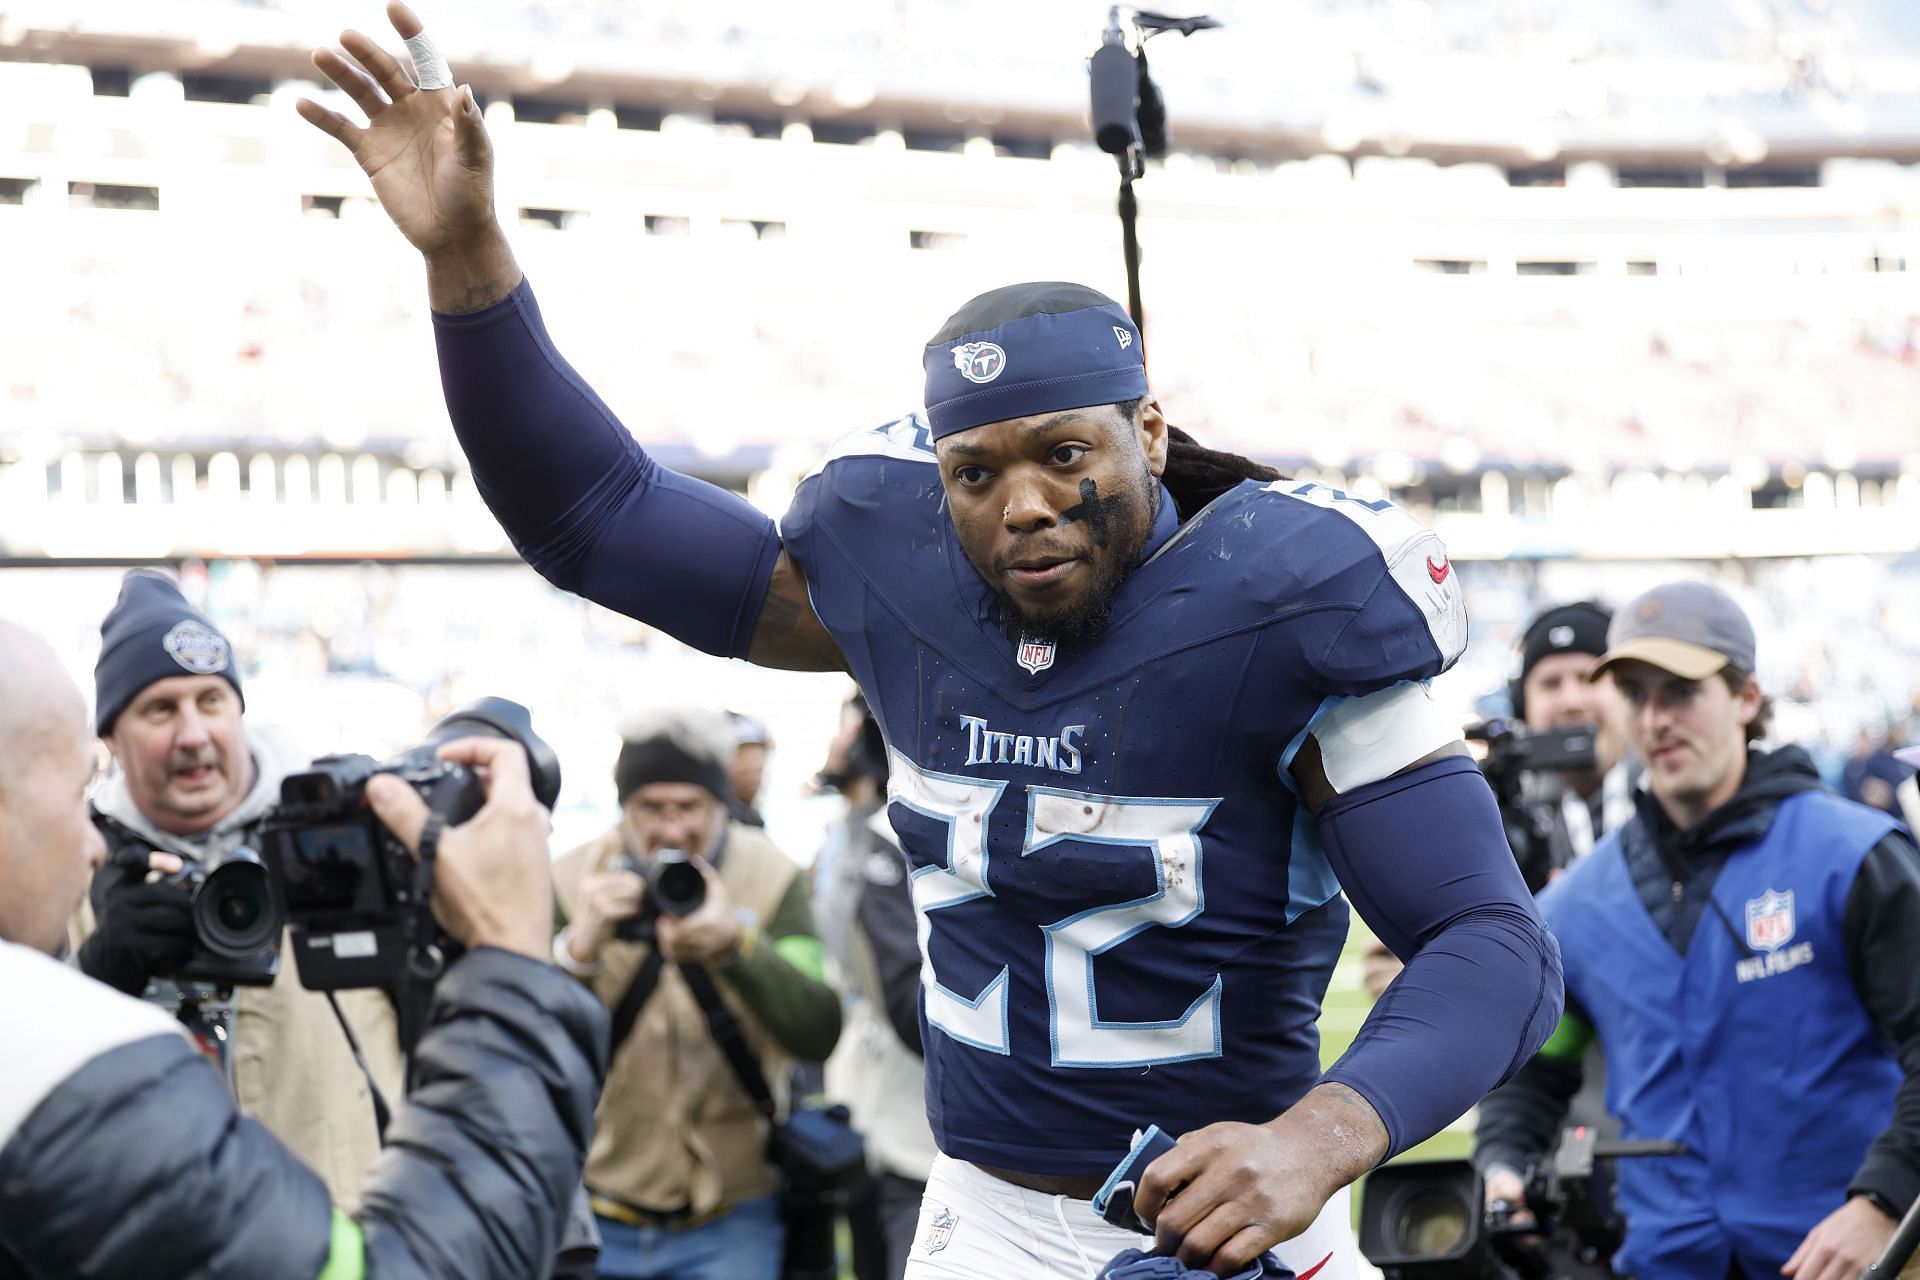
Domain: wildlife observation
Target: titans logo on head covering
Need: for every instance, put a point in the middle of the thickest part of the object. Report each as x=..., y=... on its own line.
x=979, y=361
x=1065, y=347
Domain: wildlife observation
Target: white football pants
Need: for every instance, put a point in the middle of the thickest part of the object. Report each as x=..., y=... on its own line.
x=973, y=1226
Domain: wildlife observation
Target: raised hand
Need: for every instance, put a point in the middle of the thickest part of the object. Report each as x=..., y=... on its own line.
x=425, y=149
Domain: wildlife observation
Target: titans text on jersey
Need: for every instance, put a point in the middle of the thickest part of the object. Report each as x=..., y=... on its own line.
x=1124, y=912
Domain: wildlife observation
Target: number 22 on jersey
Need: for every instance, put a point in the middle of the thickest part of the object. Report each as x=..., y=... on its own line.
x=1165, y=831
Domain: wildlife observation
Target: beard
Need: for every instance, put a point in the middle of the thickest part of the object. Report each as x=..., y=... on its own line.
x=1113, y=559
x=1085, y=617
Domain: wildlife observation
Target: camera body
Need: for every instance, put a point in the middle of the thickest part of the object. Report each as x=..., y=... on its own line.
x=675, y=887
x=237, y=922
x=1514, y=759
x=357, y=902
x=354, y=894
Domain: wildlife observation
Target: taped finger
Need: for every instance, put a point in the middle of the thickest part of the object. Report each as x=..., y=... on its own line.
x=429, y=65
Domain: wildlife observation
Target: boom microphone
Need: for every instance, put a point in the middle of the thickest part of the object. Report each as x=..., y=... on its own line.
x=1116, y=92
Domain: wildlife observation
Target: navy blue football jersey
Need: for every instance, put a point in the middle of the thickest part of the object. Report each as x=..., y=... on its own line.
x=1125, y=916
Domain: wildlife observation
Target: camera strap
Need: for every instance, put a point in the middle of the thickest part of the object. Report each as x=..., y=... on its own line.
x=724, y=1025
x=634, y=998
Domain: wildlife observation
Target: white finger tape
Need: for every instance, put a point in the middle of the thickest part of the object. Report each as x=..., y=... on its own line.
x=428, y=63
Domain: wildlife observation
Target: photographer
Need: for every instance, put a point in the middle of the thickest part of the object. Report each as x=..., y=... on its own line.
x=672, y=898
x=1742, y=949
x=191, y=786
x=1562, y=812
x=1557, y=654
x=120, y=1149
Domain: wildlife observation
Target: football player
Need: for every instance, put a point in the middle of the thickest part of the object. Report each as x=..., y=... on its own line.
x=1149, y=709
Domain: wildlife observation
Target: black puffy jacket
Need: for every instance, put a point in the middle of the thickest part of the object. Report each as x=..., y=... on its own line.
x=122, y=1155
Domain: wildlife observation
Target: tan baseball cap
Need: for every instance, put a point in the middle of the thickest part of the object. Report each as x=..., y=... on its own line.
x=1688, y=628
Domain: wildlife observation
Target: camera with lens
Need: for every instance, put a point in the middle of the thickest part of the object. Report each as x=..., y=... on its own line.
x=1513, y=764
x=236, y=923
x=357, y=903
x=675, y=887
x=1429, y=1220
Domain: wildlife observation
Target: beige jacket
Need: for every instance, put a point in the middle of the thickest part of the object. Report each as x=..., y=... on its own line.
x=675, y=1129
x=294, y=1072
x=293, y=1069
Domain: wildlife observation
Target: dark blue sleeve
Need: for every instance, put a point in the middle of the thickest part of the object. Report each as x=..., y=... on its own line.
x=582, y=501
x=1424, y=859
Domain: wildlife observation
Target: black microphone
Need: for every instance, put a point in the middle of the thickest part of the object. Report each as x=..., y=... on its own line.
x=1116, y=92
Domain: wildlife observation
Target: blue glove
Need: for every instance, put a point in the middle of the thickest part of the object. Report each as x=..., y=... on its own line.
x=1114, y=1202
x=1131, y=1264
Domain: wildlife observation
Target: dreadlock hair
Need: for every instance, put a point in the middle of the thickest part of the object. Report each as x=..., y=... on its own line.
x=1195, y=475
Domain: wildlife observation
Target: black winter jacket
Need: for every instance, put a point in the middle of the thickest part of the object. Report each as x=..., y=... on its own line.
x=122, y=1154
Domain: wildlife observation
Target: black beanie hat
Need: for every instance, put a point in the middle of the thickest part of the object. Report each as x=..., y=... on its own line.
x=1569, y=628
x=152, y=633
x=661, y=759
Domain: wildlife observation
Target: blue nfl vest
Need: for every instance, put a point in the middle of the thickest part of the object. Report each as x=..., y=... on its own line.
x=1125, y=916
x=1756, y=1053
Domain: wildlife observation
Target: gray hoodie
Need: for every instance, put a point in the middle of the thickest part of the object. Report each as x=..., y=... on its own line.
x=275, y=755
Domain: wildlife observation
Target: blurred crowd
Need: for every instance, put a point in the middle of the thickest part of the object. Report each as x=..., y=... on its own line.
x=1533, y=383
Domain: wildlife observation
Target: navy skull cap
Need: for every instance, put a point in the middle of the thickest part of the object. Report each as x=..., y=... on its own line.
x=150, y=634
x=1031, y=348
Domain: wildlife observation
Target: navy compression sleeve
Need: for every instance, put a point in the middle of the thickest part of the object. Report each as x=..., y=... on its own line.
x=582, y=502
x=1424, y=859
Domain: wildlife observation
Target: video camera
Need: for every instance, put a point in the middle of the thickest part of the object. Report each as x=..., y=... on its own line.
x=675, y=887
x=356, y=902
x=1429, y=1220
x=1514, y=758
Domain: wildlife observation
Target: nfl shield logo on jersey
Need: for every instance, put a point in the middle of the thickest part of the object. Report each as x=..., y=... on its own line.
x=1770, y=920
x=1035, y=655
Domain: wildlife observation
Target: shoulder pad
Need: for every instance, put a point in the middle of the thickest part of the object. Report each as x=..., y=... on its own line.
x=908, y=439
x=1414, y=556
